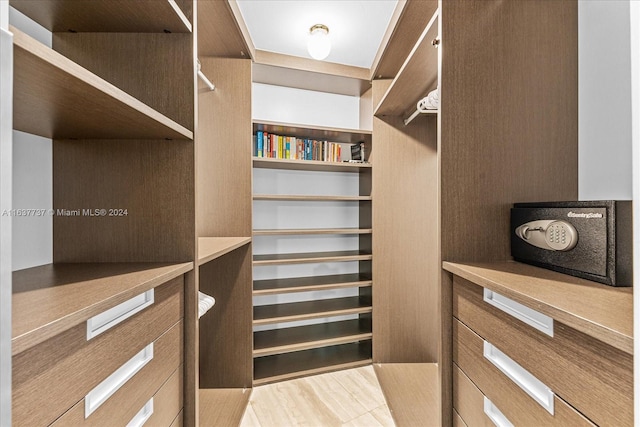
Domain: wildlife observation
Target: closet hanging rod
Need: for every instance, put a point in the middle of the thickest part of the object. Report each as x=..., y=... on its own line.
x=204, y=78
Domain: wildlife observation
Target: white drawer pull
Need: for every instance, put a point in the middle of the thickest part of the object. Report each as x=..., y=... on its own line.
x=535, y=319
x=108, y=319
x=494, y=414
x=527, y=382
x=143, y=415
x=113, y=382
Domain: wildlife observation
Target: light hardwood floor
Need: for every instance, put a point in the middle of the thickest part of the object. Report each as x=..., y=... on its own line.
x=345, y=398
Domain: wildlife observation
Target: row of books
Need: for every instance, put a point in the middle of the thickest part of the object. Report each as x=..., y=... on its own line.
x=274, y=146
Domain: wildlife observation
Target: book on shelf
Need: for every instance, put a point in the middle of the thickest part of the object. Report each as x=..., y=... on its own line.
x=269, y=145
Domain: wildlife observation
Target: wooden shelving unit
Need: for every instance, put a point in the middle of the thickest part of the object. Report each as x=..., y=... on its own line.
x=210, y=248
x=311, y=231
x=280, y=341
x=282, y=351
x=300, y=258
x=289, y=312
x=417, y=76
x=312, y=283
x=315, y=132
x=309, y=362
x=305, y=198
x=308, y=165
x=122, y=141
x=106, y=16
x=66, y=98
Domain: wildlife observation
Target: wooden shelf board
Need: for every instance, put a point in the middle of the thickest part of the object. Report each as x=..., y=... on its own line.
x=411, y=391
x=303, y=198
x=601, y=311
x=210, y=248
x=52, y=298
x=309, y=362
x=417, y=76
x=313, y=283
x=313, y=132
x=70, y=102
x=288, y=312
x=222, y=406
x=103, y=16
x=311, y=257
x=308, y=165
x=286, y=232
x=286, y=340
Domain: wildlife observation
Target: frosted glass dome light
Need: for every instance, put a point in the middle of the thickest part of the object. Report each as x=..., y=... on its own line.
x=319, y=44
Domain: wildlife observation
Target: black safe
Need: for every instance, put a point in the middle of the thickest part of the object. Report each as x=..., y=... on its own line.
x=591, y=239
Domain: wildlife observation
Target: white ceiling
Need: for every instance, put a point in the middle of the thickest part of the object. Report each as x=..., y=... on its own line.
x=356, y=27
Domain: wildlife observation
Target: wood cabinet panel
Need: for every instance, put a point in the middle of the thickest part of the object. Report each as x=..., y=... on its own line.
x=51, y=377
x=125, y=403
x=595, y=378
x=514, y=403
x=468, y=401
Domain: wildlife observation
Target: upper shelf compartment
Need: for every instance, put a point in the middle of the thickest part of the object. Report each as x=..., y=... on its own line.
x=417, y=76
x=121, y=16
x=316, y=132
x=56, y=98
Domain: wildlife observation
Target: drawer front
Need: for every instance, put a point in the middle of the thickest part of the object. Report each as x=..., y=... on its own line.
x=53, y=376
x=167, y=406
x=469, y=402
x=129, y=398
x=591, y=376
x=515, y=404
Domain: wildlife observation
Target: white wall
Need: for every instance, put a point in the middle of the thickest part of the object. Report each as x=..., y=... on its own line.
x=32, y=189
x=304, y=107
x=604, y=95
x=32, y=179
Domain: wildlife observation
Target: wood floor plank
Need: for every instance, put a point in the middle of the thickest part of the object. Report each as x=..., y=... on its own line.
x=364, y=385
x=383, y=416
x=325, y=400
x=411, y=391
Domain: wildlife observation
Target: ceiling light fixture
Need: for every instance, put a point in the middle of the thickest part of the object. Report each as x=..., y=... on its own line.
x=319, y=44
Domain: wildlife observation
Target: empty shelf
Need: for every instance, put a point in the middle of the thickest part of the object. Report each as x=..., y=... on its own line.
x=310, y=257
x=291, y=197
x=309, y=165
x=103, y=16
x=210, y=248
x=308, y=362
x=72, y=102
x=302, y=231
x=418, y=75
x=277, y=341
x=288, y=312
x=313, y=283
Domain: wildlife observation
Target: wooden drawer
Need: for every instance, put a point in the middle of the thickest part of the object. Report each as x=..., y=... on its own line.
x=128, y=399
x=519, y=407
x=468, y=401
x=591, y=376
x=178, y=421
x=457, y=420
x=53, y=376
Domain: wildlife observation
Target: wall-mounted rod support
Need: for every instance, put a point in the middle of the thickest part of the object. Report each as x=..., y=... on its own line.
x=204, y=78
